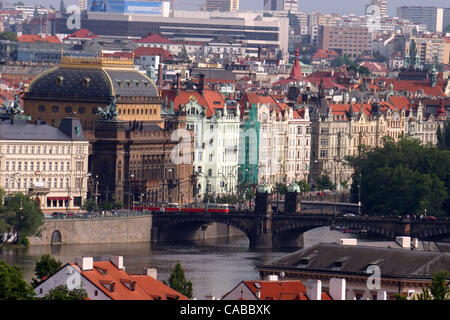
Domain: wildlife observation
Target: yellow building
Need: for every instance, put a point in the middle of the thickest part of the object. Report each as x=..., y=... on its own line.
x=79, y=86
x=432, y=49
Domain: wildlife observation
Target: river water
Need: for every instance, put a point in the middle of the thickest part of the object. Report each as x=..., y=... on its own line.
x=213, y=266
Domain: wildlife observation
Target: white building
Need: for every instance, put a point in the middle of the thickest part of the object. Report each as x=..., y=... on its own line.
x=216, y=142
x=49, y=164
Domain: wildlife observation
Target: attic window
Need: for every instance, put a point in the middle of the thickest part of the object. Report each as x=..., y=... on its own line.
x=377, y=262
x=257, y=285
x=130, y=284
x=128, y=82
x=109, y=285
x=306, y=260
x=339, y=263
x=217, y=102
x=119, y=82
x=156, y=297
x=101, y=270
x=85, y=82
x=172, y=297
x=145, y=83
x=137, y=82
x=59, y=81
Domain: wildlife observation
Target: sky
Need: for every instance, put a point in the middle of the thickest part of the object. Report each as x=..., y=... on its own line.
x=327, y=6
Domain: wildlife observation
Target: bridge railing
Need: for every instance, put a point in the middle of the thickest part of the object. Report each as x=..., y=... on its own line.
x=121, y=214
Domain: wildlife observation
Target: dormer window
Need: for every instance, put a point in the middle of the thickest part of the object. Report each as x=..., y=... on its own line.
x=102, y=271
x=339, y=263
x=59, y=81
x=85, y=82
x=119, y=82
x=129, y=284
x=109, y=285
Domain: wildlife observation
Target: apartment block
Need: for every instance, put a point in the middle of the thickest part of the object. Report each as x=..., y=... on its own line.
x=432, y=17
x=352, y=41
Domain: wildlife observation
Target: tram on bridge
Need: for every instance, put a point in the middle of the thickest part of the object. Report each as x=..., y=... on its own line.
x=191, y=208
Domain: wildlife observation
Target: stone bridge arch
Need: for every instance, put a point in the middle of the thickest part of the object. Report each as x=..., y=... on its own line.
x=286, y=234
x=433, y=232
x=185, y=228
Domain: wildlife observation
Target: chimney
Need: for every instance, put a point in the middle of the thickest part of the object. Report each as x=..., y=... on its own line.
x=85, y=263
x=273, y=277
x=337, y=288
x=160, y=74
x=201, y=84
x=404, y=242
x=152, y=272
x=117, y=261
x=314, y=289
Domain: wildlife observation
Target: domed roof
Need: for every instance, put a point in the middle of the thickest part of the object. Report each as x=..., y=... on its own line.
x=95, y=79
x=264, y=188
x=293, y=187
x=71, y=82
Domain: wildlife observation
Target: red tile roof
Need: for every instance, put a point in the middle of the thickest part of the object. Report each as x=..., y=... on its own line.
x=211, y=100
x=119, y=285
x=38, y=38
x=155, y=38
x=146, y=51
x=415, y=86
x=83, y=34
x=280, y=290
x=324, y=54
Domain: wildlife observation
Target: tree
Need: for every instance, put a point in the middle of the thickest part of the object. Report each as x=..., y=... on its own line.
x=178, y=281
x=12, y=284
x=281, y=188
x=324, y=183
x=20, y=217
x=443, y=136
x=8, y=35
x=61, y=292
x=439, y=289
x=90, y=205
x=403, y=177
x=45, y=267
x=304, y=186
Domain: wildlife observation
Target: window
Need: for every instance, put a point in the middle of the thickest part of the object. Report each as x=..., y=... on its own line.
x=323, y=153
x=81, y=109
x=41, y=108
x=32, y=166
x=69, y=109
x=55, y=109
x=67, y=166
x=61, y=167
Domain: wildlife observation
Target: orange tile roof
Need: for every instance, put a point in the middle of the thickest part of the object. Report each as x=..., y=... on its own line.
x=83, y=34
x=38, y=38
x=280, y=290
x=415, y=86
x=211, y=100
x=116, y=283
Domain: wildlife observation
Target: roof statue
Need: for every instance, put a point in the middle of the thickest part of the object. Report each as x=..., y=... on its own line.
x=264, y=188
x=293, y=187
x=14, y=108
x=110, y=111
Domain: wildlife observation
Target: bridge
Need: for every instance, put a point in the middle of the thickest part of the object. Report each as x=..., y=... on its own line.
x=283, y=230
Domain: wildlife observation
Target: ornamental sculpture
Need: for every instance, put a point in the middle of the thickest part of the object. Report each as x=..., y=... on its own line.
x=14, y=108
x=110, y=111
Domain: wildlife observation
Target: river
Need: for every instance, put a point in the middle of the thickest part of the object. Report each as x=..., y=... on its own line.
x=213, y=266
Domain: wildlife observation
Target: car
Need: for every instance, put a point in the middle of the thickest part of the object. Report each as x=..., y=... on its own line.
x=431, y=218
x=58, y=214
x=349, y=215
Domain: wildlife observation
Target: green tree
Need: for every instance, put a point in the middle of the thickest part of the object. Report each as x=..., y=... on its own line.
x=403, y=177
x=324, y=183
x=304, y=186
x=443, y=136
x=20, y=218
x=45, y=266
x=8, y=35
x=281, y=188
x=12, y=284
x=178, y=281
x=61, y=292
x=90, y=205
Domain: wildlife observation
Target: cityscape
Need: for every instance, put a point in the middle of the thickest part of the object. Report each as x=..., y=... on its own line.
x=224, y=150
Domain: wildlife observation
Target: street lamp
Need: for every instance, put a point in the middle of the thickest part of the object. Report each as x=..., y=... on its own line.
x=129, y=191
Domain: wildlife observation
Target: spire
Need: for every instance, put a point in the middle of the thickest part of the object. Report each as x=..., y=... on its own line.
x=296, y=72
